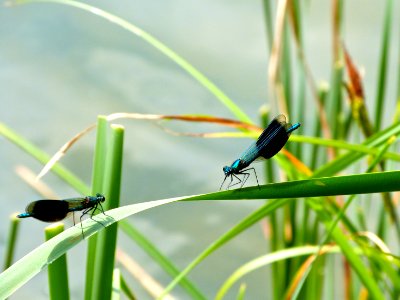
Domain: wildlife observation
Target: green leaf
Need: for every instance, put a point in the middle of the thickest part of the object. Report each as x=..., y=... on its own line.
x=34, y=262
x=265, y=260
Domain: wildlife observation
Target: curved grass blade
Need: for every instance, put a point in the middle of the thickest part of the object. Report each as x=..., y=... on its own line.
x=383, y=64
x=31, y=264
x=254, y=131
x=281, y=192
x=141, y=275
x=250, y=220
x=340, y=216
x=43, y=158
x=157, y=44
x=159, y=258
x=267, y=260
x=348, y=159
x=316, y=187
x=78, y=185
x=361, y=149
x=102, y=121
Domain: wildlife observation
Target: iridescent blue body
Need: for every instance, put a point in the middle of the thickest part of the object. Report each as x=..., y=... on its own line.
x=56, y=210
x=269, y=143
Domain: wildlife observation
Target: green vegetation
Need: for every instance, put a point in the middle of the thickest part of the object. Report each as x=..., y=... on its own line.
x=319, y=248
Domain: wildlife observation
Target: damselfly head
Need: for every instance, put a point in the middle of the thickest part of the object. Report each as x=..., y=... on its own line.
x=227, y=170
x=100, y=197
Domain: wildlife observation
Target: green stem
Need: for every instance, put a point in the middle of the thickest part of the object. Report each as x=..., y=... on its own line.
x=97, y=187
x=107, y=239
x=57, y=270
x=385, y=47
x=12, y=237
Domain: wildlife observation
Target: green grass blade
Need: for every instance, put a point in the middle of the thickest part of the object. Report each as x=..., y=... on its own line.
x=107, y=239
x=97, y=187
x=158, y=45
x=126, y=289
x=268, y=22
x=317, y=187
x=100, y=153
x=371, y=167
x=242, y=292
x=397, y=113
x=101, y=141
x=341, y=214
x=250, y=220
x=43, y=158
x=265, y=260
x=57, y=270
x=35, y=261
x=369, y=147
x=11, y=241
x=335, y=98
x=116, y=285
x=312, y=188
x=27, y=267
x=158, y=257
x=383, y=64
x=361, y=149
x=353, y=258
x=286, y=70
x=346, y=160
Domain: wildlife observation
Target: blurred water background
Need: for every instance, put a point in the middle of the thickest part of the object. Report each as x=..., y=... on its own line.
x=61, y=67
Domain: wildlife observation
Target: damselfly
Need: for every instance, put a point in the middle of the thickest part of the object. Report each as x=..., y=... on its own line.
x=269, y=143
x=56, y=210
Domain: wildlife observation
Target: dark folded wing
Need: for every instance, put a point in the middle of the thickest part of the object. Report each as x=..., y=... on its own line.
x=273, y=138
x=261, y=147
x=48, y=210
x=277, y=122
